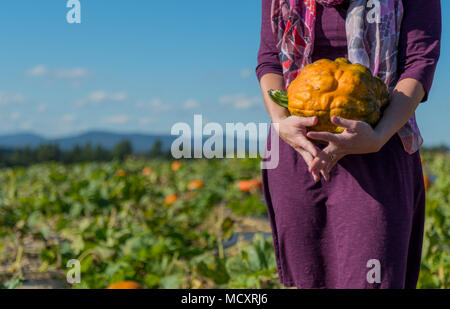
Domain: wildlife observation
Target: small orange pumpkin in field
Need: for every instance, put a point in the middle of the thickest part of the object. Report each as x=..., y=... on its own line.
x=427, y=182
x=122, y=173
x=170, y=199
x=176, y=165
x=147, y=171
x=125, y=285
x=195, y=184
x=248, y=185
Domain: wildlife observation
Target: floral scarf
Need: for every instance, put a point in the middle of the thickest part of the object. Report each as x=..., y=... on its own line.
x=373, y=31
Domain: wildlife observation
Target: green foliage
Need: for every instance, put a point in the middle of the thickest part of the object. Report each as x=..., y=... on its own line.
x=118, y=225
x=14, y=283
x=435, y=272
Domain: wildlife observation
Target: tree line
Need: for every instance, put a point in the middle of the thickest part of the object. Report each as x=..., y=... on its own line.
x=26, y=156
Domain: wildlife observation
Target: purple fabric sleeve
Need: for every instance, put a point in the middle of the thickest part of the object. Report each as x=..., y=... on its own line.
x=268, y=54
x=420, y=41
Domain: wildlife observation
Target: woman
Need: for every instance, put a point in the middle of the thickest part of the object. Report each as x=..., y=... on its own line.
x=349, y=214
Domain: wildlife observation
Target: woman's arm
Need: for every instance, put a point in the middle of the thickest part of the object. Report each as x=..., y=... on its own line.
x=268, y=53
x=407, y=95
x=418, y=54
x=420, y=42
x=269, y=71
x=273, y=81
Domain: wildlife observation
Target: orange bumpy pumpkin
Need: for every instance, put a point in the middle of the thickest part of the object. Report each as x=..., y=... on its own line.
x=327, y=88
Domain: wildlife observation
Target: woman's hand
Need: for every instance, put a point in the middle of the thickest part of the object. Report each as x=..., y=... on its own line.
x=292, y=130
x=358, y=138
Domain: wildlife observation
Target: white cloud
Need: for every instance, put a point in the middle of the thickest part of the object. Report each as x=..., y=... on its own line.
x=97, y=96
x=116, y=119
x=145, y=121
x=15, y=116
x=240, y=101
x=67, y=73
x=71, y=73
x=120, y=96
x=42, y=108
x=100, y=96
x=39, y=70
x=6, y=98
x=67, y=123
x=68, y=118
x=26, y=125
x=245, y=73
x=190, y=104
x=156, y=105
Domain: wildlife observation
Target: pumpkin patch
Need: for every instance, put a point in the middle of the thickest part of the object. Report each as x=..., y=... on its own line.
x=153, y=231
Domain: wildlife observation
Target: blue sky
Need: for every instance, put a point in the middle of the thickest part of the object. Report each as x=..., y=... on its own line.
x=141, y=66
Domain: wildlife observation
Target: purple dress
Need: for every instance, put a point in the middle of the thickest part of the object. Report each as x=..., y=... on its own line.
x=328, y=234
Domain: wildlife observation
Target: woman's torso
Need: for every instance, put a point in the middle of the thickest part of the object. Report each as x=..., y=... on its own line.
x=330, y=35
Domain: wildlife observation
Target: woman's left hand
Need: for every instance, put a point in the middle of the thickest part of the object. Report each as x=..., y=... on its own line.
x=358, y=138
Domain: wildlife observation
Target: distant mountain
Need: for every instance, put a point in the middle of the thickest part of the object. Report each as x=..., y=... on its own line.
x=21, y=140
x=140, y=142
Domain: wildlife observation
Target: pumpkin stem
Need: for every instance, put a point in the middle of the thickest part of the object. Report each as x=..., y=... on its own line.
x=279, y=97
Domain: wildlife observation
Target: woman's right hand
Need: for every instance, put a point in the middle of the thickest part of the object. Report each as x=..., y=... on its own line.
x=292, y=129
